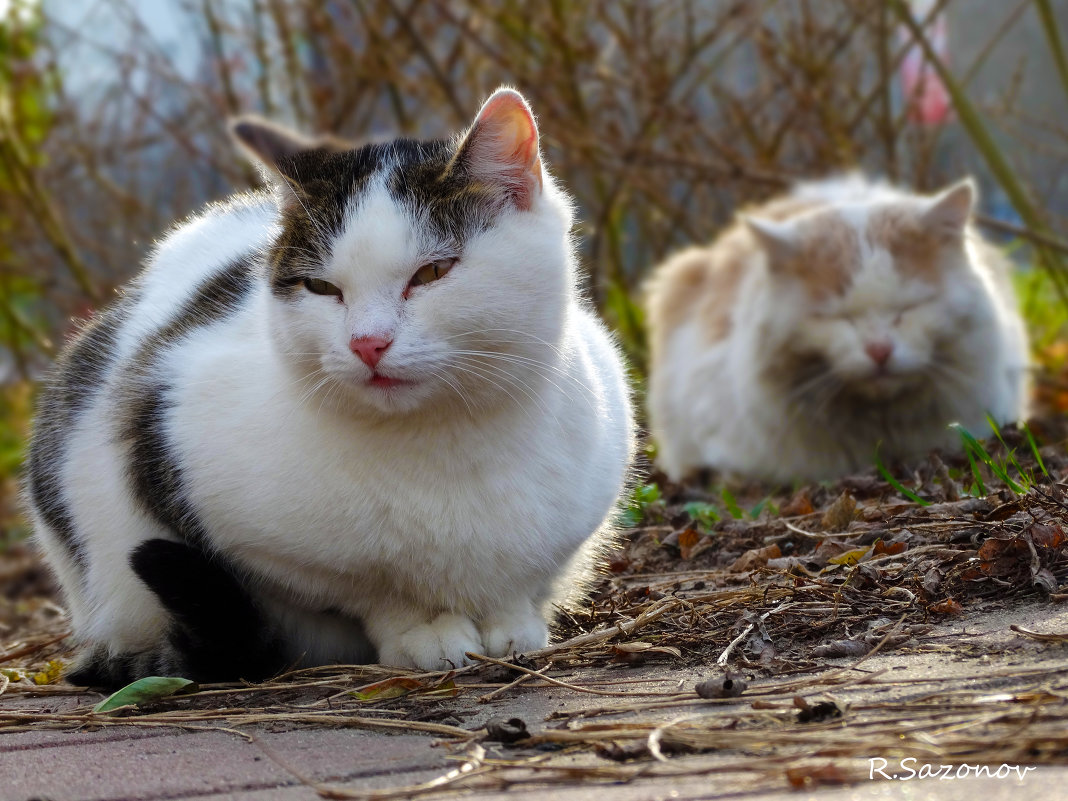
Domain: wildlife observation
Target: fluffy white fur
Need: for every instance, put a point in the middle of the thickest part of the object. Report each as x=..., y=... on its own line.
x=446, y=514
x=725, y=395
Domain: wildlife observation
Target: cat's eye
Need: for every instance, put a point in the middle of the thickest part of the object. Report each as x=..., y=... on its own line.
x=903, y=310
x=321, y=287
x=431, y=271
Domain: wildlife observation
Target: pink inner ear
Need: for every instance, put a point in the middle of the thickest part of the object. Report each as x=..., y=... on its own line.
x=952, y=208
x=502, y=147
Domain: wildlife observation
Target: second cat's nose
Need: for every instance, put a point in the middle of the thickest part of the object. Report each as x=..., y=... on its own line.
x=879, y=352
x=369, y=349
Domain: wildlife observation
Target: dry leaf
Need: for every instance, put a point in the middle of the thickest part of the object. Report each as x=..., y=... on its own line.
x=51, y=674
x=932, y=581
x=635, y=652
x=850, y=557
x=691, y=543
x=758, y=557
x=1047, y=536
x=840, y=513
x=1045, y=580
x=946, y=607
x=888, y=548
x=1003, y=556
x=389, y=688
x=797, y=506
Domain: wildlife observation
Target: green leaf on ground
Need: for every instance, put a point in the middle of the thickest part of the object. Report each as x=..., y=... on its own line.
x=151, y=688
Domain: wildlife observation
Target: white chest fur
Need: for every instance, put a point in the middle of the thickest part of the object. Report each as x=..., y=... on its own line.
x=449, y=514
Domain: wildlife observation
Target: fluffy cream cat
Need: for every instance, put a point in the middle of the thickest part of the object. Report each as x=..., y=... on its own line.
x=817, y=325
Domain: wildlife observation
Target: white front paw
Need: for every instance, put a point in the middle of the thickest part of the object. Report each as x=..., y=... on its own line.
x=437, y=645
x=514, y=634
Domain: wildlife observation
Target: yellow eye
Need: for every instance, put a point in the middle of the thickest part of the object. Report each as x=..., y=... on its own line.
x=321, y=287
x=431, y=272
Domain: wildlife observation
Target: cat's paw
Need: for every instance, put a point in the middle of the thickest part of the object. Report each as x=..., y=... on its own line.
x=514, y=634
x=437, y=645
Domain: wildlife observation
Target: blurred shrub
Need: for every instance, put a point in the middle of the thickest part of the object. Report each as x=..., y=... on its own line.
x=661, y=116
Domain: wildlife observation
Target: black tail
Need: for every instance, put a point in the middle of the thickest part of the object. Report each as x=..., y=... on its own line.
x=217, y=632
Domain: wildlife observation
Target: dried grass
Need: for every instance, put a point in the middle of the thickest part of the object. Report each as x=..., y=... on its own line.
x=776, y=626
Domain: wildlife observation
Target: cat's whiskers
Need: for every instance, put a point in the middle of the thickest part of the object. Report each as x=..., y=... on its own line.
x=488, y=379
x=527, y=337
x=445, y=379
x=543, y=369
x=487, y=371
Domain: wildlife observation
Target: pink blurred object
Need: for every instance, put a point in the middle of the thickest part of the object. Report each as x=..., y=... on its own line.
x=924, y=94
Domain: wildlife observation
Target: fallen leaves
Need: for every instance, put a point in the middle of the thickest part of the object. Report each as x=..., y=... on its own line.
x=400, y=686
x=691, y=543
x=799, y=505
x=636, y=653
x=1023, y=557
x=840, y=513
x=947, y=607
x=52, y=673
x=756, y=558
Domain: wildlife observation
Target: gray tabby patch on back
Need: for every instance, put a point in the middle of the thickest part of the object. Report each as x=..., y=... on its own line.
x=154, y=471
x=69, y=388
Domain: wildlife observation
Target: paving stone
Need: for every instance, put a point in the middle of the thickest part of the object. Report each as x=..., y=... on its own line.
x=201, y=764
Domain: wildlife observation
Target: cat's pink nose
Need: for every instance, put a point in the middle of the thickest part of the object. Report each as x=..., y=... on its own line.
x=879, y=352
x=369, y=349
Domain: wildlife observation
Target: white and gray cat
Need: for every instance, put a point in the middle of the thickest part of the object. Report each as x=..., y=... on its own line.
x=364, y=416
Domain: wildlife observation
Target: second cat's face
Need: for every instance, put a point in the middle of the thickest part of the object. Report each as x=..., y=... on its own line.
x=874, y=303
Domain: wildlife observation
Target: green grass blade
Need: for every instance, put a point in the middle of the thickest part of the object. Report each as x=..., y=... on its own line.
x=971, y=445
x=1034, y=449
x=1011, y=454
x=975, y=448
x=893, y=482
x=732, y=504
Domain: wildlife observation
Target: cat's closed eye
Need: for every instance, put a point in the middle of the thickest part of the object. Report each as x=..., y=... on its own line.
x=321, y=287
x=431, y=271
x=906, y=309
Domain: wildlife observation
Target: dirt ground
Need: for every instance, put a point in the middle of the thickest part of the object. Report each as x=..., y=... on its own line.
x=817, y=639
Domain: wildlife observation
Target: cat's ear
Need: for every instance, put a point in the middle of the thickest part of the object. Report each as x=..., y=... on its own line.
x=949, y=211
x=275, y=149
x=269, y=144
x=501, y=148
x=776, y=238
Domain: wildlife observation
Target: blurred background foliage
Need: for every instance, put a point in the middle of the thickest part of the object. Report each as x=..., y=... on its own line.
x=661, y=116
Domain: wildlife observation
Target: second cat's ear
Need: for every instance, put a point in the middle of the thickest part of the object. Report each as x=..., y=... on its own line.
x=501, y=148
x=949, y=211
x=777, y=238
